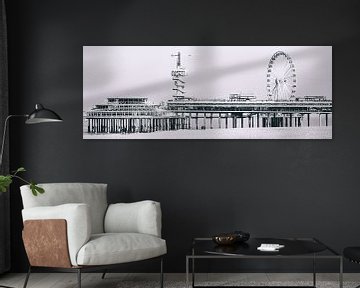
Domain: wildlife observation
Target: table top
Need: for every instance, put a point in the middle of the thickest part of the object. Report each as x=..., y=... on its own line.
x=293, y=247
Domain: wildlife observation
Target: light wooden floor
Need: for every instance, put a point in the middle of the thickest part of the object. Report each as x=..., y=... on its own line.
x=113, y=280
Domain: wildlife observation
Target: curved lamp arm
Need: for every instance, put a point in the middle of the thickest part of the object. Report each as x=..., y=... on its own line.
x=39, y=115
x=4, y=134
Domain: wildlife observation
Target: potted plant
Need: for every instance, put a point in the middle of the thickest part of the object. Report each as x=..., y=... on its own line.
x=6, y=180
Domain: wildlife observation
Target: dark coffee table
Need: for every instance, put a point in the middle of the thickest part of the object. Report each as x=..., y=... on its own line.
x=295, y=248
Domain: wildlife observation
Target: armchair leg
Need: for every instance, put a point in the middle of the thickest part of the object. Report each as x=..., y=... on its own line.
x=79, y=277
x=161, y=273
x=27, y=277
x=103, y=275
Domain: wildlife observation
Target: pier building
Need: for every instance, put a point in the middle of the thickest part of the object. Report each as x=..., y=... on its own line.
x=132, y=115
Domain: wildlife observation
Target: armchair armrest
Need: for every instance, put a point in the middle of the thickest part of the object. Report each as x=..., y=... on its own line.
x=77, y=219
x=138, y=217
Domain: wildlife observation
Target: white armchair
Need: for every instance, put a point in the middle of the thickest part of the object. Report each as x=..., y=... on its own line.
x=72, y=228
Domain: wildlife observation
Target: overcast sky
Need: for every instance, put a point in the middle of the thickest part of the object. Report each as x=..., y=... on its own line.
x=213, y=71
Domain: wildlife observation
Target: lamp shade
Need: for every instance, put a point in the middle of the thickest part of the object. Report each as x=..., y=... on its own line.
x=42, y=115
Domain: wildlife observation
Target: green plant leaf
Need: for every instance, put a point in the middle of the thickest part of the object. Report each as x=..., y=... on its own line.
x=39, y=189
x=5, y=182
x=20, y=169
x=36, y=189
x=33, y=189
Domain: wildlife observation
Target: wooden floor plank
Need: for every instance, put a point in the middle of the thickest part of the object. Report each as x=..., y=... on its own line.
x=12, y=279
x=113, y=280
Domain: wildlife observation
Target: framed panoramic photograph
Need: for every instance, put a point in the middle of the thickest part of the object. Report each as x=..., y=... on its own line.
x=207, y=92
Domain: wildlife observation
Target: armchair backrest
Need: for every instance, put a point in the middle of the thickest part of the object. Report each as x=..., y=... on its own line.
x=55, y=194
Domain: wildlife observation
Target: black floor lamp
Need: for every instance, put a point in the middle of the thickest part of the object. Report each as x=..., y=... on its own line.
x=39, y=115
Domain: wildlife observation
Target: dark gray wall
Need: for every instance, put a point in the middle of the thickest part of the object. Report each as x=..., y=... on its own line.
x=277, y=188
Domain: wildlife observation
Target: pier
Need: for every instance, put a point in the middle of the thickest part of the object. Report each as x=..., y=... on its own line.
x=210, y=114
x=137, y=115
x=121, y=124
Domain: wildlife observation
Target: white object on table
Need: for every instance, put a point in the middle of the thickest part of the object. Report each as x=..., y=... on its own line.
x=270, y=247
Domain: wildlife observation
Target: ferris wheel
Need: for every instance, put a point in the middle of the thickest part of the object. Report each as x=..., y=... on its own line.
x=281, y=77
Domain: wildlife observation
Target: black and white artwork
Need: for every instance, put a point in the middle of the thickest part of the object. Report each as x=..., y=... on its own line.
x=207, y=92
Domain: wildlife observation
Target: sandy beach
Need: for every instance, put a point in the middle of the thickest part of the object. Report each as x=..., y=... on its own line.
x=236, y=133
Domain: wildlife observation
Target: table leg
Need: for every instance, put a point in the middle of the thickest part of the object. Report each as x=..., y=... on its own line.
x=193, y=272
x=341, y=273
x=187, y=272
x=314, y=271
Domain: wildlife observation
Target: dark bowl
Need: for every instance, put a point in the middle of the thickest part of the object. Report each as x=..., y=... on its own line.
x=241, y=236
x=225, y=239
